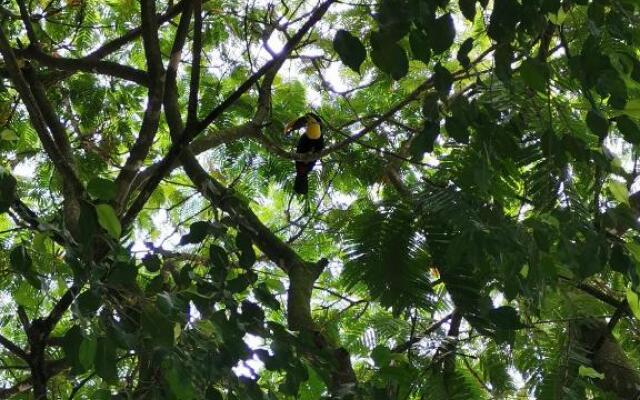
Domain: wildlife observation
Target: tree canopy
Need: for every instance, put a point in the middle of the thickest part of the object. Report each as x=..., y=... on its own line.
x=471, y=231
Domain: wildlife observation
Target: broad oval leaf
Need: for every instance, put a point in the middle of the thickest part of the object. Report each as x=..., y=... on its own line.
x=389, y=56
x=350, y=49
x=247, y=254
x=535, y=73
x=634, y=303
x=7, y=190
x=442, y=34
x=443, y=80
x=102, y=189
x=463, y=53
x=505, y=317
x=468, y=8
x=598, y=124
x=628, y=128
x=108, y=220
x=105, y=360
x=419, y=46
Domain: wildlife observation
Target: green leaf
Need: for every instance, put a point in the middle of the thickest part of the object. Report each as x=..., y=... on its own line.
x=198, y=231
x=442, y=33
x=503, y=56
x=350, y=49
x=87, y=224
x=123, y=274
x=108, y=220
x=7, y=190
x=457, y=129
x=158, y=327
x=105, y=360
x=425, y=140
x=264, y=296
x=26, y=295
x=419, y=46
x=535, y=73
x=634, y=302
x=152, y=262
x=247, y=254
x=102, y=394
x=22, y=263
x=632, y=108
x=241, y=283
x=393, y=19
x=504, y=18
x=88, y=303
x=165, y=304
x=21, y=260
x=596, y=12
x=463, y=53
x=550, y=6
x=505, y=317
x=71, y=345
x=179, y=382
x=87, y=352
x=102, y=189
x=430, y=106
x=218, y=257
x=619, y=192
x=589, y=372
x=598, y=124
x=628, y=129
x=443, y=80
x=468, y=8
x=381, y=355
x=619, y=260
x=389, y=56
x=8, y=135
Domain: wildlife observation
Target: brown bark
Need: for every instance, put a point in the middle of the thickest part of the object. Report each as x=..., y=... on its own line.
x=621, y=377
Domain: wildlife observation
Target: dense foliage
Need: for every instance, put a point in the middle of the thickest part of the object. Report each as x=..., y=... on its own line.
x=470, y=233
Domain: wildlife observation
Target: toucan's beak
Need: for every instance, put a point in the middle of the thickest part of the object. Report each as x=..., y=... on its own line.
x=288, y=127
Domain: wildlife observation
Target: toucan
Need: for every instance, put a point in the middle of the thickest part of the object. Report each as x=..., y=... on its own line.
x=311, y=141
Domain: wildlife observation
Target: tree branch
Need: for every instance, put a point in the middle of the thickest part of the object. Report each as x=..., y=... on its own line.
x=151, y=119
x=182, y=141
x=115, y=44
x=200, y=145
x=37, y=118
x=26, y=19
x=302, y=274
x=86, y=64
x=14, y=348
x=196, y=53
x=401, y=348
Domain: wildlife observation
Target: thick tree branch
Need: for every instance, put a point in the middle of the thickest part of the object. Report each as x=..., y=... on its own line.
x=86, y=64
x=385, y=117
x=181, y=143
x=37, y=118
x=26, y=19
x=117, y=43
x=151, y=119
x=196, y=54
x=18, y=388
x=14, y=348
x=302, y=275
x=200, y=145
x=50, y=116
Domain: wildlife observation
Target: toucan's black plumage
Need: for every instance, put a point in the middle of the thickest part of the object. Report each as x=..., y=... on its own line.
x=311, y=141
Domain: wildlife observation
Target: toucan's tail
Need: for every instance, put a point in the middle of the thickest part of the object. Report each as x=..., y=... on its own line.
x=301, y=184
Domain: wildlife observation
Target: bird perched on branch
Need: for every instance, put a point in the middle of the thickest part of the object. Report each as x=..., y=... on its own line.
x=311, y=141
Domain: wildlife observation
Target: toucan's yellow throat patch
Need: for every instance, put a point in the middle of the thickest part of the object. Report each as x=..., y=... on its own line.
x=313, y=129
